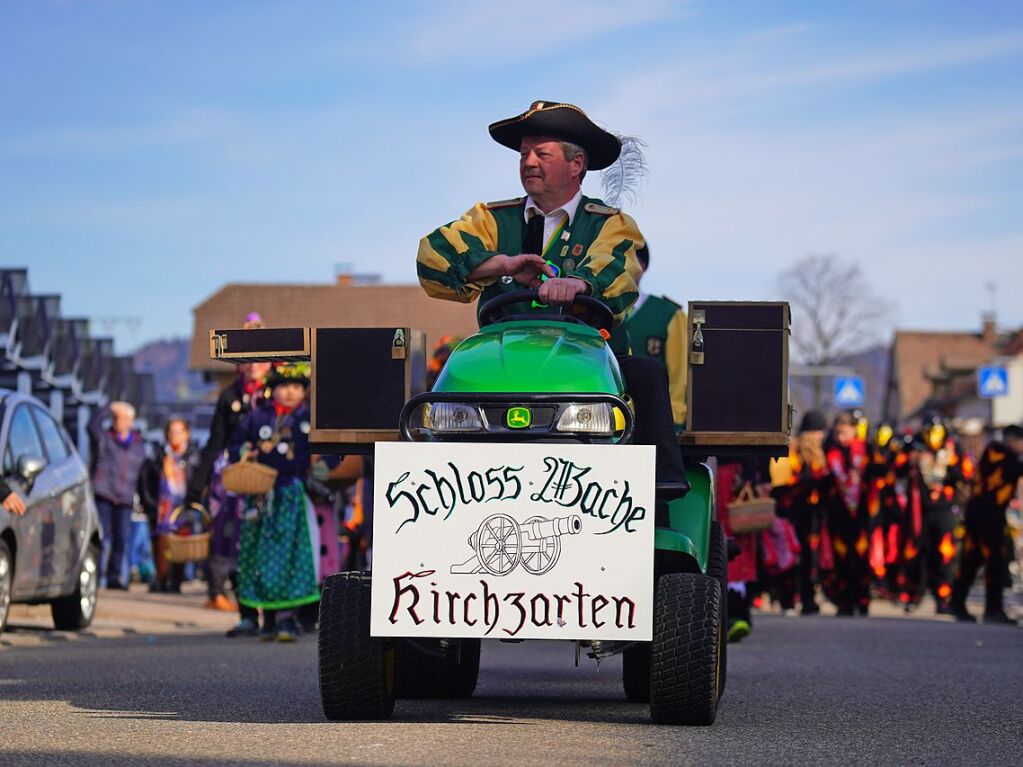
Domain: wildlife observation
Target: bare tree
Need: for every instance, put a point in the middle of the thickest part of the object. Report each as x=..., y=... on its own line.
x=835, y=310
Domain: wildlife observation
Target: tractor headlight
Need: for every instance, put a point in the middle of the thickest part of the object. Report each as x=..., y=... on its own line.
x=593, y=418
x=453, y=416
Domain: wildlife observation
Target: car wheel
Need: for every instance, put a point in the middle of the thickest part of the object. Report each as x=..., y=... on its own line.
x=6, y=581
x=685, y=656
x=76, y=610
x=356, y=670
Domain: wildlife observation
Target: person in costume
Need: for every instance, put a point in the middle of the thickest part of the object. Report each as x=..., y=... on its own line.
x=731, y=477
x=848, y=583
x=278, y=563
x=165, y=483
x=886, y=465
x=994, y=486
x=560, y=243
x=655, y=326
x=235, y=401
x=938, y=470
x=803, y=487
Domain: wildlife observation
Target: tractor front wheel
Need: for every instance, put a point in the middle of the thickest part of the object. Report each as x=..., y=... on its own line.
x=356, y=670
x=685, y=656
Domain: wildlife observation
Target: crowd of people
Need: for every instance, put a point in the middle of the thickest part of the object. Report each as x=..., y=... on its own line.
x=269, y=550
x=865, y=514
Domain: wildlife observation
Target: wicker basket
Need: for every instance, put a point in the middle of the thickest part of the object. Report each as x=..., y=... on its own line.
x=748, y=514
x=194, y=547
x=248, y=478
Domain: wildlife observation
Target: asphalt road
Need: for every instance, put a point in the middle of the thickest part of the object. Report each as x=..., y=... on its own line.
x=801, y=691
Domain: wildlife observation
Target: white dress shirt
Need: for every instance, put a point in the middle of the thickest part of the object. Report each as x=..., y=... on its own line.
x=553, y=219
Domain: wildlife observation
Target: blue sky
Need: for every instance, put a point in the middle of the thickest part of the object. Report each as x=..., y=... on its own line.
x=151, y=152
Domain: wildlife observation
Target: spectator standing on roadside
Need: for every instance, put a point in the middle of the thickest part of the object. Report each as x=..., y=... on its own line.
x=117, y=457
x=235, y=401
x=167, y=474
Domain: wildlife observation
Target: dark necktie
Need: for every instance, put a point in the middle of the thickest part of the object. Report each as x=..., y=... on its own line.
x=533, y=241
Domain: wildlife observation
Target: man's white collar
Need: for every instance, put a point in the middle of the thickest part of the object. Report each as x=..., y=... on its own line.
x=569, y=208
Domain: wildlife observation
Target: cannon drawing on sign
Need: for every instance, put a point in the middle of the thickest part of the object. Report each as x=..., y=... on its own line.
x=501, y=544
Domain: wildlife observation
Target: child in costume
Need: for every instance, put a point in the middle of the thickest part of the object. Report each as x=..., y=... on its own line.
x=279, y=558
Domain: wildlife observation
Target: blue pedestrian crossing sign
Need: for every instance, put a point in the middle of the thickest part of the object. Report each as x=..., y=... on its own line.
x=992, y=381
x=849, y=391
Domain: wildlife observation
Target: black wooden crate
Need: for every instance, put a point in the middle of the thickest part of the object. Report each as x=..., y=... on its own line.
x=362, y=378
x=260, y=344
x=737, y=393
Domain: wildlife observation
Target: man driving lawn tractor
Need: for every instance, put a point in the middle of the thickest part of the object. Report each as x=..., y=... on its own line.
x=562, y=244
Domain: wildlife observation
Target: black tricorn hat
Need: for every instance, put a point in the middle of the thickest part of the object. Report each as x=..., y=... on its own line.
x=562, y=121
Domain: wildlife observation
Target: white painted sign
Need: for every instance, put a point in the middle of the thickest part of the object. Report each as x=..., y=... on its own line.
x=510, y=541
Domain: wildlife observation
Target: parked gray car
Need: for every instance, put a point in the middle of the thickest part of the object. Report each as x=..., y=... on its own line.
x=51, y=554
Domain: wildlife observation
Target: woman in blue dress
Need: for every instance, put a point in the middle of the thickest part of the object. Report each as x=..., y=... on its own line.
x=279, y=556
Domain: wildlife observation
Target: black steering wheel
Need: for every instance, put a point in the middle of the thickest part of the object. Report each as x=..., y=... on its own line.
x=595, y=312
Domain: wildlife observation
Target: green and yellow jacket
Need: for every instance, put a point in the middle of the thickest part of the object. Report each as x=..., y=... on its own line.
x=599, y=247
x=657, y=328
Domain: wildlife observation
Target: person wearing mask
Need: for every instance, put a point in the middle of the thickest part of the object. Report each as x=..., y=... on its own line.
x=802, y=486
x=117, y=457
x=994, y=486
x=939, y=469
x=848, y=583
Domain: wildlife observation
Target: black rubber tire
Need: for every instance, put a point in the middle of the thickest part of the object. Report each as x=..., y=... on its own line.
x=69, y=614
x=7, y=573
x=686, y=651
x=636, y=672
x=356, y=670
x=717, y=567
x=419, y=674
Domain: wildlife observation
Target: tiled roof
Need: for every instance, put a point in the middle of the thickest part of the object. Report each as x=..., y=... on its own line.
x=918, y=355
x=340, y=305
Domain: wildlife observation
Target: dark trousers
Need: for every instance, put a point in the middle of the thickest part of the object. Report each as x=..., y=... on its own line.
x=848, y=585
x=646, y=382
x=116, y=523
x=244, y=611
x=984, y=545
x=933, y=554
x=804, y=520
x=169, y=575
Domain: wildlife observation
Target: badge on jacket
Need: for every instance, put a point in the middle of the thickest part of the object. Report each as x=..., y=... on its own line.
x=654, y=346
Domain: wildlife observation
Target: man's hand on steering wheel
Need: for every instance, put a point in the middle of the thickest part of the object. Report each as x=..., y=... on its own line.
x=561, y=291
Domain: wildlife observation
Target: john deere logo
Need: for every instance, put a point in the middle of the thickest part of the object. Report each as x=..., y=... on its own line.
x=519, y=418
